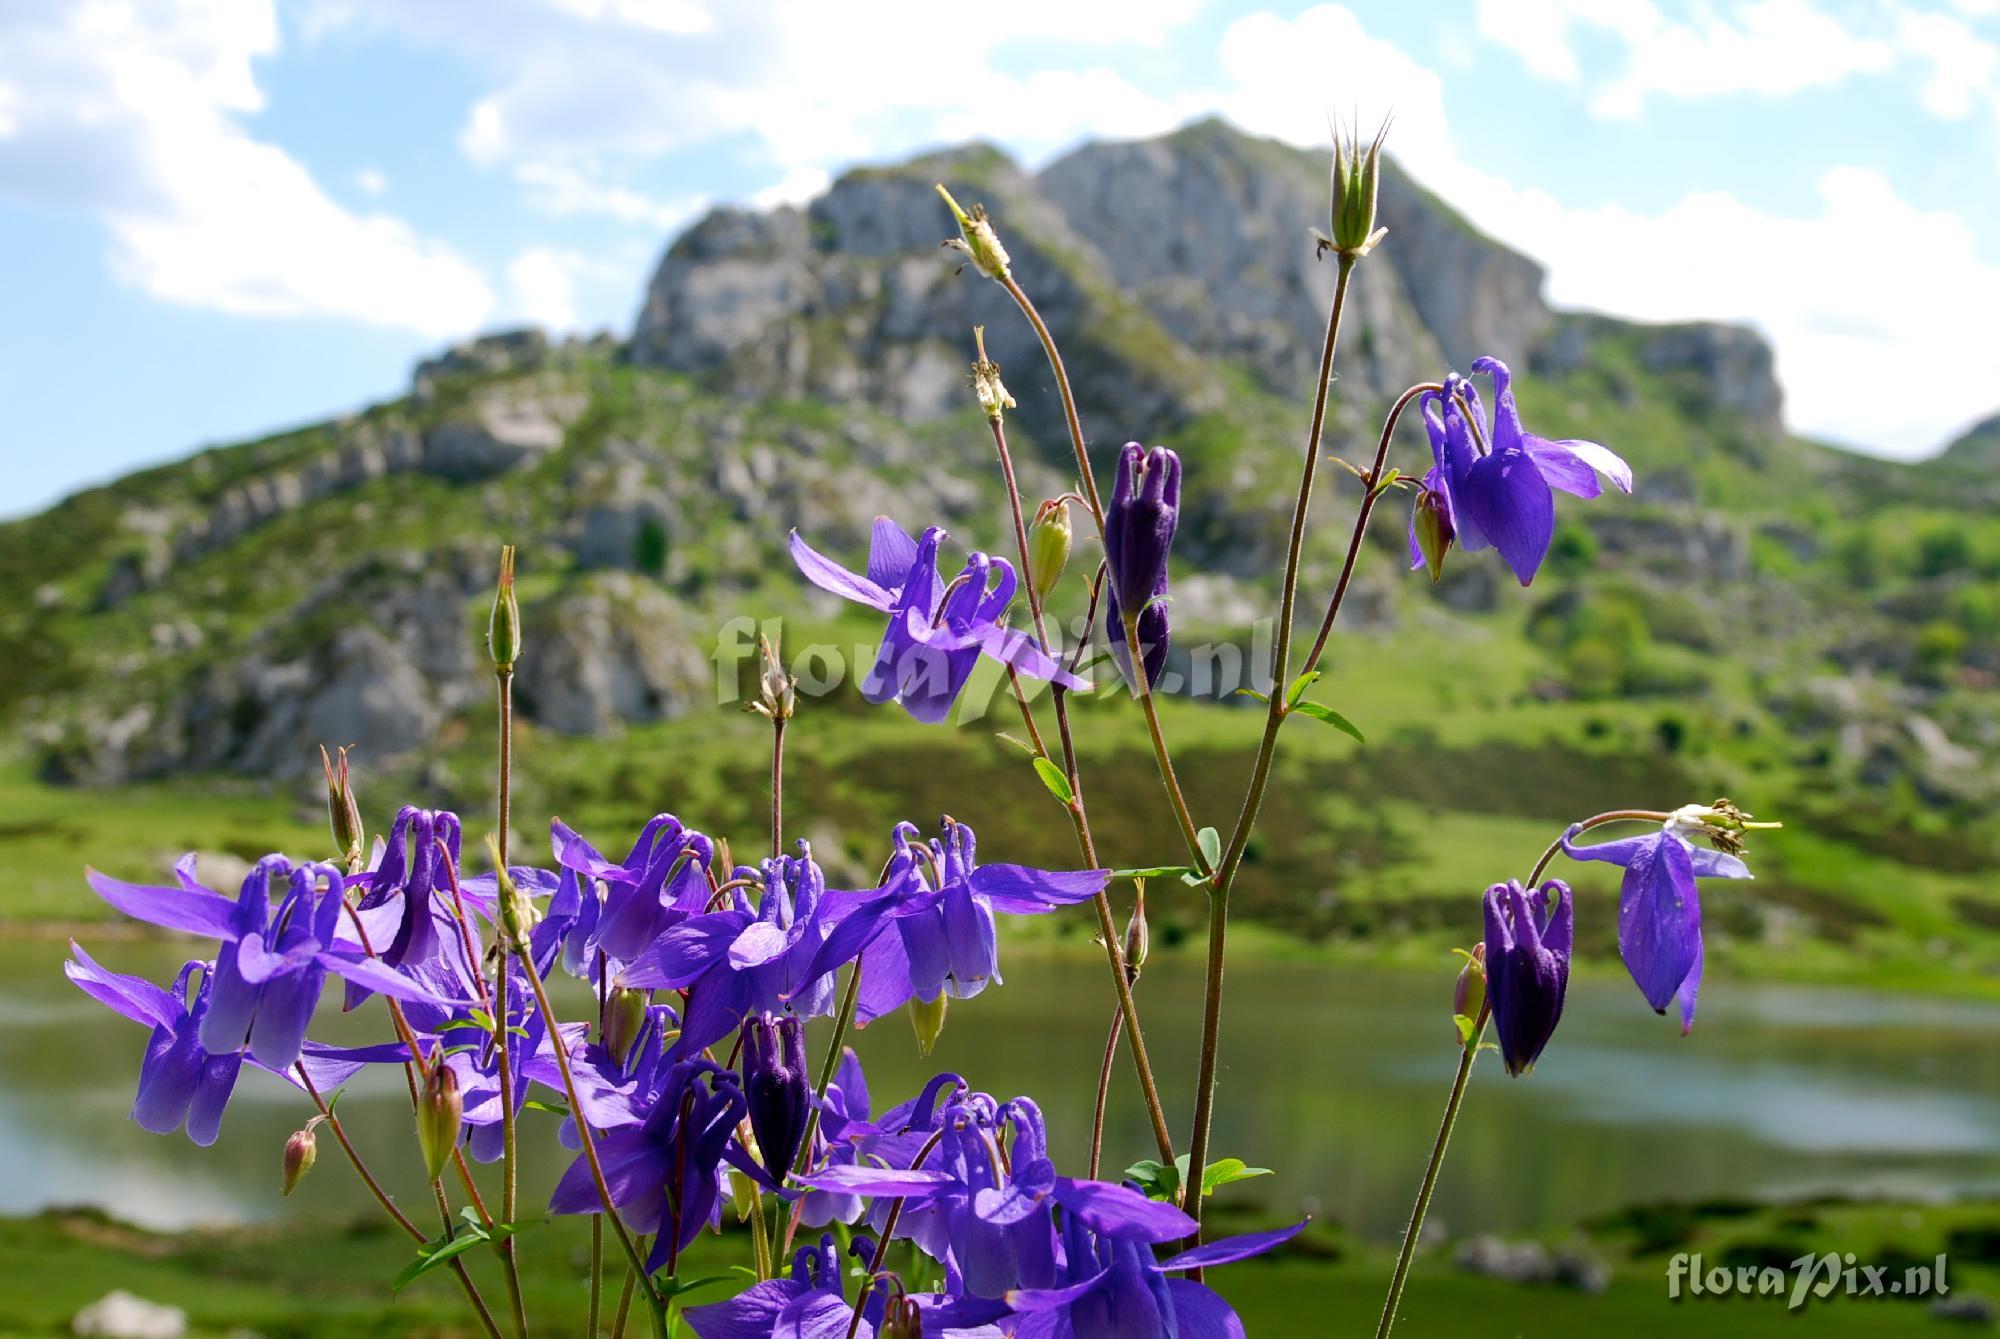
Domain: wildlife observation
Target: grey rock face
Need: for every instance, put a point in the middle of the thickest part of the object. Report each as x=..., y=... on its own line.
x=1735, y=364
x=619, y=650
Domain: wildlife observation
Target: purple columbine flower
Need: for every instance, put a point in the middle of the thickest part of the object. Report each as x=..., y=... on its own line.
x=663, y=1174
x=410, y=875
x=777, y=1088
x=662, y=882
x=811, y=1302
x=1528, y=939
x=1138, y=531
x=933, y=930
x=1491, y=488
x=769, y=958
x=936, y=632
x=181, y=1081
x=1659, y=909
x=269, y=966
x=843, y=1121
x=1112, y=1288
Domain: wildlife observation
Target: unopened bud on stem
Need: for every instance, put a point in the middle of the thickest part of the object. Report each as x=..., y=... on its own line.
x=1049, y=541
x=503, y=630
x=301, y=1151
x=928, y=1020
x=440, y=1111
x=1468, y=994
x=624, y=1021
x=902, y=1320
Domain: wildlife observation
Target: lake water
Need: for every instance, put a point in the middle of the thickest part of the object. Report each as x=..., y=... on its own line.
x=1333, y=1077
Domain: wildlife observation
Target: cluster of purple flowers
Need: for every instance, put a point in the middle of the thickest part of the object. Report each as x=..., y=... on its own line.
x=689, y=959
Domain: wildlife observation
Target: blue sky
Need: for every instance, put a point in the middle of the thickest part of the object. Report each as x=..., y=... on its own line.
x=225, y=216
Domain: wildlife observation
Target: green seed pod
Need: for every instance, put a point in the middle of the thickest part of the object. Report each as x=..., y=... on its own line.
x=1468, y=993
x=503, y=629
x=342, y=810
x=976, y=240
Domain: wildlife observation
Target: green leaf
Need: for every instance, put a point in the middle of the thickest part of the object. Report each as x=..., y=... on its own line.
x=673, y=1287
x=553, y=1108
x=1020, y=744
x=1154, y=872
x=1210, y=842
x=1227, y=1171
x=1466, y=1028
x=1058, y=784
x=1157, y=1180
x=1320, y=712
x=1251, y=692
x=1388, y=481
x=1299, y=686
x=436, y=1252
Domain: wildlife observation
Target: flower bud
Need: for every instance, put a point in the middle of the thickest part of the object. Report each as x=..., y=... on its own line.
x=301, y=1151
x=776, y=1087
x=1049, y=540
x=1139, y=524
x=624, y=1021
x=1468, y=994
x=902, y=1320
x=928, y=1020
x=977, y=240
x=440, y=1110
x=503, y=629
x=1431, y=530
x=1138, y=938
x=1357, y=174
x=343, y=811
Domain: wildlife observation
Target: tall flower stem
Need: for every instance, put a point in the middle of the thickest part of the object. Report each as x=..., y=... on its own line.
x=777, y=786
x=654, y=1312
x=503, y=638
x=1401, y=1275
x=596, y=1276
x=401, y=1219
x=1225, y=876
x=1078, y=816
x=1103, y=1093
x=1164, y=759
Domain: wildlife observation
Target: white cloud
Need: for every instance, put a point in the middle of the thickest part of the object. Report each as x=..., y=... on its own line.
x=662, y=16
x=566, y=192
x=371, y=181
x=1770, y=48
x=805, y=82
x=1877, y=310
x=130, y=114
x=797, y=186
x=541, y=283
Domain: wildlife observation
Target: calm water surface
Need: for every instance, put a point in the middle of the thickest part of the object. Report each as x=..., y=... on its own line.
x=1334, y=1078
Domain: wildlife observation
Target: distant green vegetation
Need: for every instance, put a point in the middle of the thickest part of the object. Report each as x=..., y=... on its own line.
x=306, y=1282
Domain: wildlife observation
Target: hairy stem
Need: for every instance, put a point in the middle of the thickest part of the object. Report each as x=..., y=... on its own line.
x=1078, y=816
x=1161, y=757
x=1103, y=1093
x=1218, y=920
